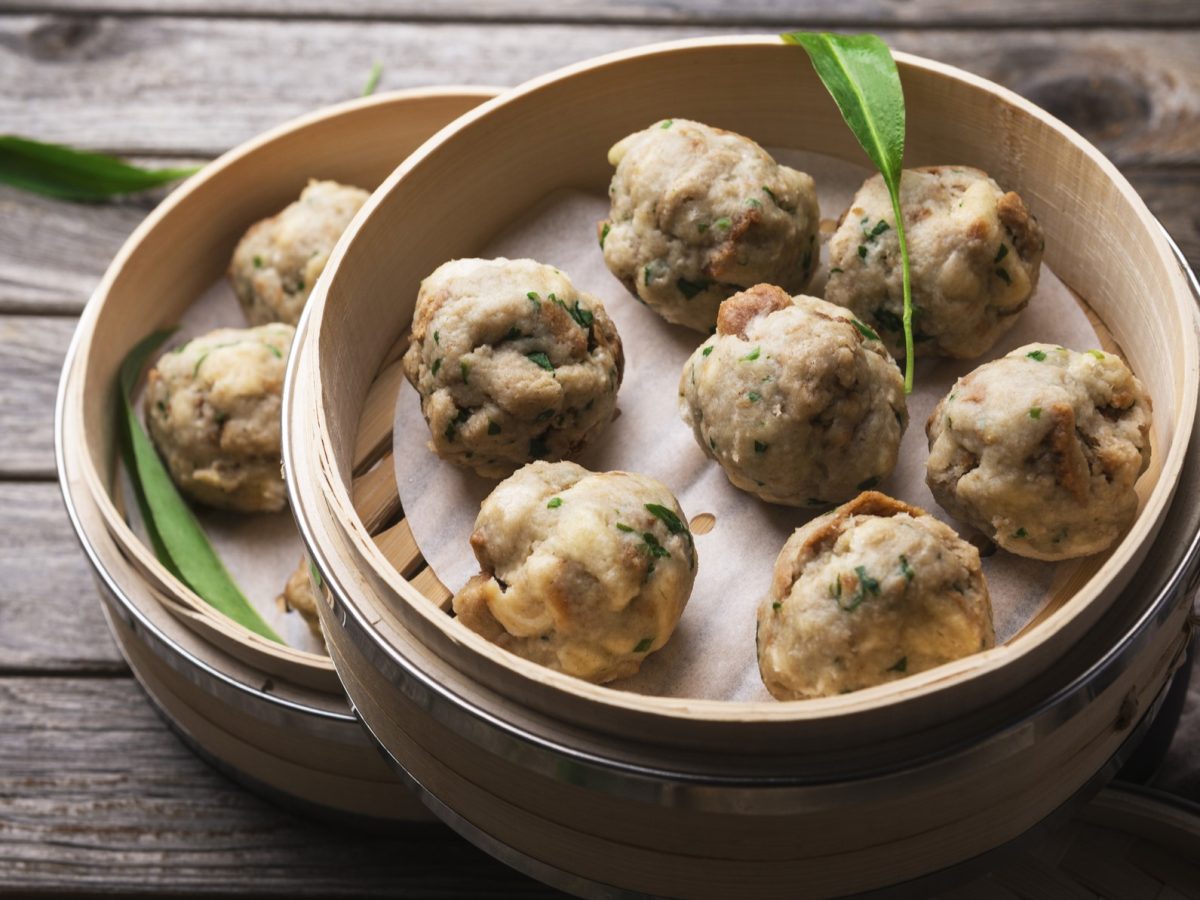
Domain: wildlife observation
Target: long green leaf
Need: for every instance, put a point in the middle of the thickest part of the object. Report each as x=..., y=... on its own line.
x=68, y=174
x=860, y=74
x=176, y=536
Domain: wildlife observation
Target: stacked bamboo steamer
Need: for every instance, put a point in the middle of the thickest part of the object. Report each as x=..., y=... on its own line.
x=602, y=791
x=274, y=717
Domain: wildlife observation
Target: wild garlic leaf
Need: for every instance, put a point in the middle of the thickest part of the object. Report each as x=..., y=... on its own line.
x=69, y=174
x=861, y=76
x=176, y=536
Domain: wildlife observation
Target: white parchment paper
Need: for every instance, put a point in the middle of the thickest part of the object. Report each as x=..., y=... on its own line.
x=260, y=550
x=711, y=655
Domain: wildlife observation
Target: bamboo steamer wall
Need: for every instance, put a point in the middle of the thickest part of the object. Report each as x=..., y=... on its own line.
x=698, y=798
x=275, y=716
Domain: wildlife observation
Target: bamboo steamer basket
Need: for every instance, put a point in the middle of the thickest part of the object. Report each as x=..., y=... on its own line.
x=273, y=717
x=601, y=791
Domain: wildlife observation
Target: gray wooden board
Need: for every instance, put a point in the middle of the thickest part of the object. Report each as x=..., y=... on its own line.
x=31, y=356
x=50, y=618
x=96, y=795
x=201, y=85
x=808, y=13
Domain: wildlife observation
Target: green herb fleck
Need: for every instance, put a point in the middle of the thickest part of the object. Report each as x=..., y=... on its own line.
x=702, y=227
x=1096, y=353
x=537, y=303
x=900, y=666
x=373, y=79
x=1003, y=275
x=555, y=503
x=540, y=359
x=673, y=522
x=621, y=526
x=862, y=251
x=777, y=606
x=437, y=338
x=583, y=317
x=1039, y=355
x=258, y=261
x=866, y=585
x=1035, y=412
x=835, y=271
x=275, y=351
x=643, y=645
x=464, y=369
x=707, y=350
x=905, y=569
x=667, y=123
x=878, y=229
x=437, y=364
x=752, y=355
x=1020, y=534
x=865, y=330
x=723, y=223
x=753, y=201
x=760, y=447
x=653, y=547
x=1001, y=253
x=754, y=396
x=604, y=234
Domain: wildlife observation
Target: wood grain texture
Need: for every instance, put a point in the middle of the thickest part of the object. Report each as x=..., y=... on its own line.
x=31, y=356
x=97, y=796
x=201, y=85
x=50, y=618
x=782, y=12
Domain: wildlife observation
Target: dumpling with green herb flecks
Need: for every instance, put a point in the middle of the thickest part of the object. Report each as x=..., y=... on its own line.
x=797, y=401
x=975, y=252
x=868, y=593
x=587, y=573
x=279, y=259
x=213, y=411
x=698, y=213
x=512, y=364
x=1041, y=449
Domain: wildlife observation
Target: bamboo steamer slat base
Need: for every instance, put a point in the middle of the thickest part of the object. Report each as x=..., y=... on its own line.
x=274, y=717
x=600, y=790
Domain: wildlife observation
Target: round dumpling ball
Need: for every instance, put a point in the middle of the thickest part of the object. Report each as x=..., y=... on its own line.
x=213, y=411
x=799, y=402
x=1040, y=450
x=279, y=259
x=300, y=596
x=699, y=213
x=512, y=363
x=974, y=257
x=583, y=572
x=867, y=593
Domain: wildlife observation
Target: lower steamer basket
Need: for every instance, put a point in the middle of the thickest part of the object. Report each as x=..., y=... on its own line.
x=602, y=791
x=287, y=729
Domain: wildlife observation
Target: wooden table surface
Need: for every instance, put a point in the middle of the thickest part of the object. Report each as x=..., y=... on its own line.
x=96, y=796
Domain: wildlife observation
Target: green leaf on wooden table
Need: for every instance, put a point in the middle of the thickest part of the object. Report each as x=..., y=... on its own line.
x=69, y=174
x=860, y=75
x=176, y=536
x=373, y=79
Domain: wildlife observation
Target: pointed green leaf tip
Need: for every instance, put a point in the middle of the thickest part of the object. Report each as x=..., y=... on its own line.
x=69, y=174
x=176, y=536
x=861, y=76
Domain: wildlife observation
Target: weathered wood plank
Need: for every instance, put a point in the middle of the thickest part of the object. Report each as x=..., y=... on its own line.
x=31, y=356
x=201, y=85
x=808, y=13
x=50, y=618
x=97, y=796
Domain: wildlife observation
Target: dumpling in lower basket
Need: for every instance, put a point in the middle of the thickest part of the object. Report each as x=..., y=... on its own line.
x=868, y=593
x=213, y=412
x=586, y=573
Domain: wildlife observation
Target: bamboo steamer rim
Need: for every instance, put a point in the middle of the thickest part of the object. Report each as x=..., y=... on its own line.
x=304, y=368
x=311, y=669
